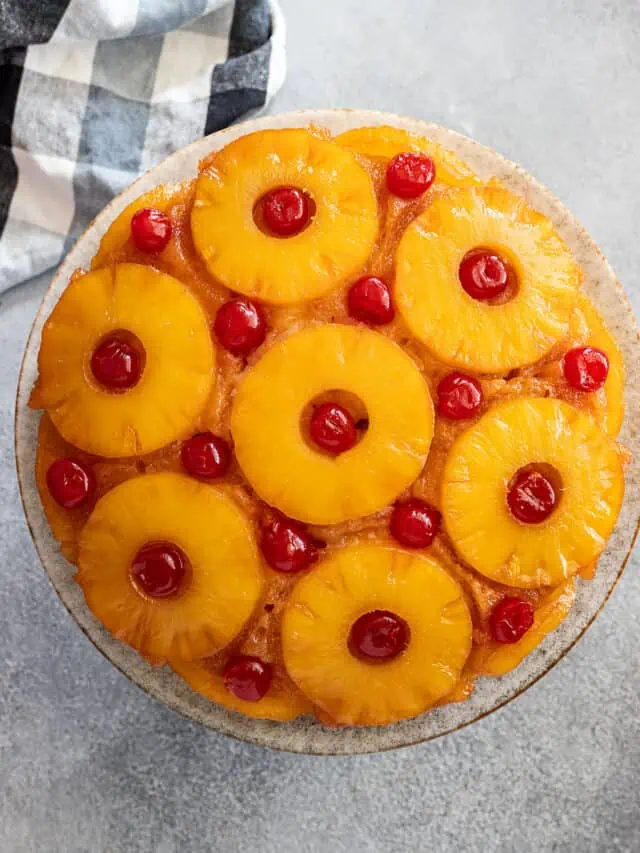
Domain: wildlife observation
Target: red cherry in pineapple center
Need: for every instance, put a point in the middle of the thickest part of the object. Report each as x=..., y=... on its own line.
x=510, y=620
x=531, y=496
x=332, y=428
x=69, y=483
x=459, y=396
x=240, y=326
x=586, y=368
x=159, y=569
x=378, y=636
x=287, y=546
x=369, y=301
x=410, y=174
x=150, y=230
x=248, y=678
x=414, y=523
x=206, y=455
x=117, y=362
x=286, y=211
x=483, y=274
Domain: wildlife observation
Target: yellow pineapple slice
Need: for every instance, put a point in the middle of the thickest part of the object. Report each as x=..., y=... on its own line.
x=498, y=658
x=118, y=234
x=386, y=142
x=360, y=579
x=587, y=328
x=472, y=334
x=179, y=364
x=483, y=462
x=281, y=464
x=224, y=582
x=334, y=246
x=282, y=702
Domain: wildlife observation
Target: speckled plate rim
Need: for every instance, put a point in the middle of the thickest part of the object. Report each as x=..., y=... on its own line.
x=306, y=735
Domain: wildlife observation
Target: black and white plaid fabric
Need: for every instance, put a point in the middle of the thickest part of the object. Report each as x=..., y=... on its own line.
x=93, y=92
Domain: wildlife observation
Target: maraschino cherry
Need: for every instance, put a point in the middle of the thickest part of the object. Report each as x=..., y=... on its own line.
x=248, y=678
x=206, y=455
x=532, y=497
x=586, y=368
x=459, y=396
x=287, y=546
x=286, y=211
x=332, y=428
x=369, y=300
x=240, y=326
x=69, y=482
x=483, y=274
x=378, y=636
x=410, y=174
x=150, y=230
x=158, y=570
x=510, y=619
x=414, y=523
x=116, y=363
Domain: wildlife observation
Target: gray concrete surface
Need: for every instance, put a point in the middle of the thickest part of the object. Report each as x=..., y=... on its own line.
x=88, y=763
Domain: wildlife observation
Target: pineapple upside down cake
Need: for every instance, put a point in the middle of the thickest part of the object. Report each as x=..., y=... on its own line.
x=330, y=428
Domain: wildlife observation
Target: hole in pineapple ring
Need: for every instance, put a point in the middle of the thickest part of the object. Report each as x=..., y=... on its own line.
x=284, y=212
x=160, y=570
x=488, y=275
x=117, y=361
x=378, y=636
x=534, y=492
x=354, y=406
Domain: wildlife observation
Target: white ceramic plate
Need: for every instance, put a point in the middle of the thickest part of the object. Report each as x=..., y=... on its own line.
x=306, y=735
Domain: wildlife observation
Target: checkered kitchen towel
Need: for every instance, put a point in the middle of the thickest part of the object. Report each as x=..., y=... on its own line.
x=93, y=92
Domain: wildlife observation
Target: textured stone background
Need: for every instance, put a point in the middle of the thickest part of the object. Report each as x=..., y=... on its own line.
x=88, y=764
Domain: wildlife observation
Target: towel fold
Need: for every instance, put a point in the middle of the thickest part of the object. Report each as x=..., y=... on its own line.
x=94, y=92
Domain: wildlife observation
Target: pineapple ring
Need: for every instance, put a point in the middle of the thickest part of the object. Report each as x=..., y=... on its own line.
x=329, y=251
x=178, y=374
x=226, y=578
x=482, y=462
x=386, y=141
x=465, y=332
x=285, y=470
x=282, y=702
x=356, y=580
